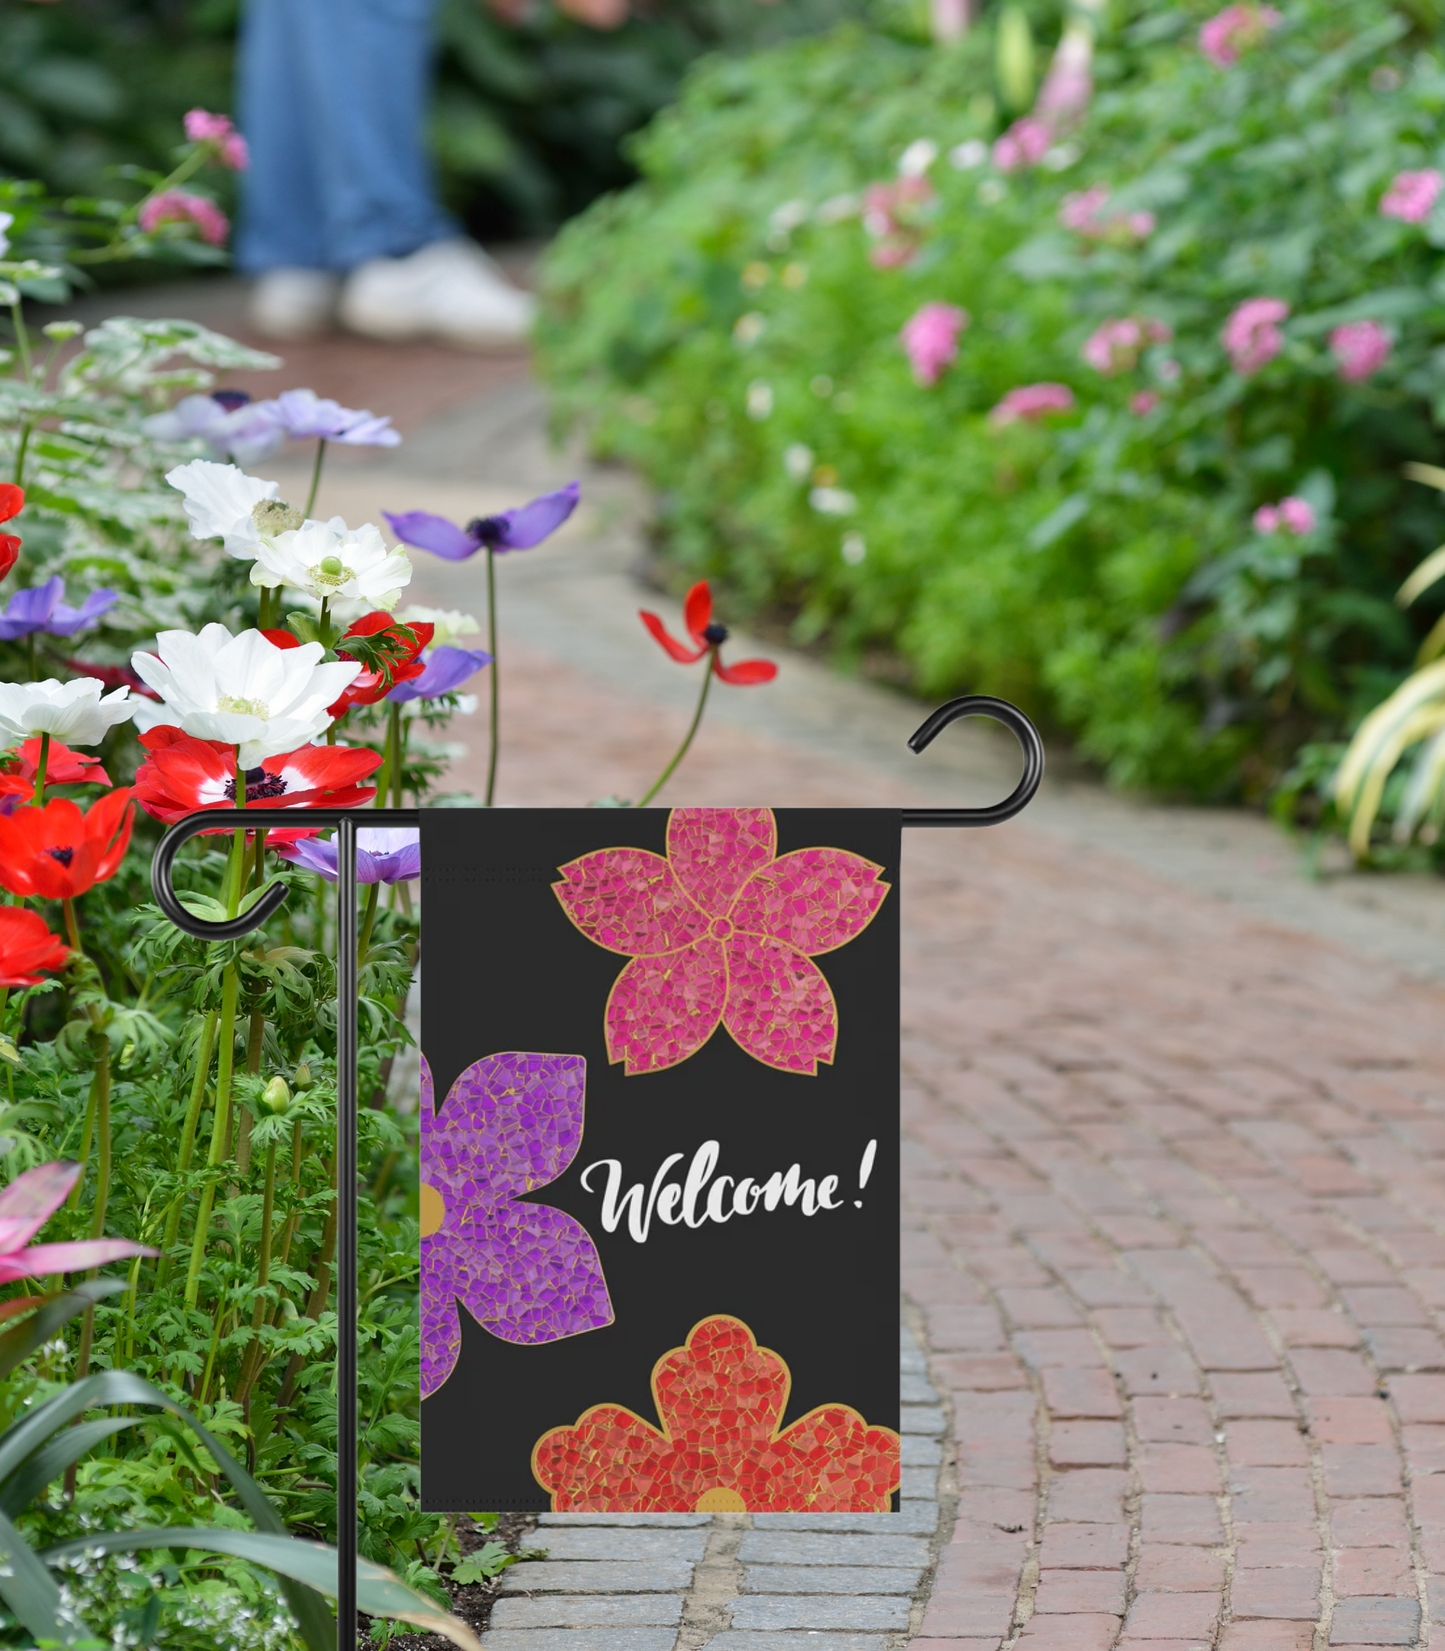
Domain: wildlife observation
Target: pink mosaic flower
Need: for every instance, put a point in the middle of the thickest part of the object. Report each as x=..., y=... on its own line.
x=1252, y=335
x=930, y=338
x=1411, y=195
x=1031, y=402
x=1235, y=29
x=1360, y=348
x=526, y=1272
x=723, y=930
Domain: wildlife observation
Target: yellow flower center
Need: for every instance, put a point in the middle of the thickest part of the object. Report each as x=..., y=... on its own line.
x=244, y=707
x=330, y=572
x=433, y=1210
x=720, y=1499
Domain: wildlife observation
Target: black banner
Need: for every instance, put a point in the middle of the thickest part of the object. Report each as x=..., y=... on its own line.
x=659, y=1159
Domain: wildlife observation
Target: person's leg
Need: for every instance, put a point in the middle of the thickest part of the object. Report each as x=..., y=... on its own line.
x=378, y=195
x=332, y=98
x=280, y=219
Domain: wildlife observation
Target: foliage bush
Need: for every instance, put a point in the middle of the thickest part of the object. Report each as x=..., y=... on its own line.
x=731, y=325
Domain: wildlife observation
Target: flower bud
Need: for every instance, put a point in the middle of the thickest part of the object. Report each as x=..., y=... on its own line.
x=61, y=332
x=301, y=1078
x=276, y=1097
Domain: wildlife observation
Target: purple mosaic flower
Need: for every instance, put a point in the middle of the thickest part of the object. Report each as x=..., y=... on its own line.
x=526, y=1272
x=44, y=608
x=382, y=855
x=303, y=413
x=517, y=529
x=446, y=670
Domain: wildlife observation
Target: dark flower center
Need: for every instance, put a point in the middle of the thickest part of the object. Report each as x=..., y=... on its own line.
x=64, y=855
x=715, y=635
x=259, y=786
x=230, y=399
x=486, y=530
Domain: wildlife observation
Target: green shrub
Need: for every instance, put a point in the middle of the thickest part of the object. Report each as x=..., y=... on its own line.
x=723, y=326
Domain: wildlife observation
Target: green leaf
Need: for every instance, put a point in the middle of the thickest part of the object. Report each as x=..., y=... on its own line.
x=379, y=1592
x=490, y=1560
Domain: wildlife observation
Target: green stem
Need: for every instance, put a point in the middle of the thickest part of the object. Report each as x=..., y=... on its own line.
x=367, y=919
x=496, y=707
x=263, y=1274
x=225, y=1063
x=40, y=770
x=398, y=764
x=188, y=1139
x=316, y=474
x=21, y=448
x=681, y=751
x=22, y=343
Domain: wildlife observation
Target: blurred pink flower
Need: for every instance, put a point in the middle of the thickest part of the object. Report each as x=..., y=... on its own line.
x=1143, y=401
x=892, y=217
x=175, y=206
x=1024, y=144
x=204, y=127
x=931, y=339
x=1411, y=195
x=1252, y=335
x=1114, y=347
x=1032, y=402
x=1083, y=212
x=1360, y=348
x=1229, y=32
x=1293, y=514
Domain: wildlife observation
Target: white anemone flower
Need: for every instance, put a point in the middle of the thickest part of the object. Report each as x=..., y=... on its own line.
x=79, y=712
x=225, y=503
x=244, y=690
x=330, y=562
x=447, y=623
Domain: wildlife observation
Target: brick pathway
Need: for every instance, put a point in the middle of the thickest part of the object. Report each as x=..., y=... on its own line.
x=1175, y=1202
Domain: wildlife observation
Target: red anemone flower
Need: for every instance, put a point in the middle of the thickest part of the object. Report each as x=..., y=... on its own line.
x=12, y=502
x=372, y=686
x=26, y=945
x=708, y=637
x=57, y=852
x=63, y=767
x=183, y=774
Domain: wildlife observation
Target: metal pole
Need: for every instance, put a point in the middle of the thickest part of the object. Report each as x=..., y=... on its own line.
x=346, y=1282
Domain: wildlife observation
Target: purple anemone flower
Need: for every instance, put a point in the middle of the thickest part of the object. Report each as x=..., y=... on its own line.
x=446, y=670
x=382, y=855
x=517, y=529
x=228, y=421
x=44, y=608
x=302, y=413
x=526, y=1272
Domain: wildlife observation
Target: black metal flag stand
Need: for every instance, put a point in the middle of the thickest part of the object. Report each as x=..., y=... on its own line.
x=346, y=821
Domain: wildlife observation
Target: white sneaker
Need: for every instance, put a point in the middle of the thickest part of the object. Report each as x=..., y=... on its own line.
x=294, y=303
x=450, y=290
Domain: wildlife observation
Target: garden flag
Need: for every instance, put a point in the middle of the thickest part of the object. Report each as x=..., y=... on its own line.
x=659, y=1122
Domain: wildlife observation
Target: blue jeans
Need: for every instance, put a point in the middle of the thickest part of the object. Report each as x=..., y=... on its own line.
x=332, y=100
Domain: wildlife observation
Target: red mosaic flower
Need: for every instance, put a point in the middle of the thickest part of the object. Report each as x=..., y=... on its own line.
x=723, y=930
x=721, y=1399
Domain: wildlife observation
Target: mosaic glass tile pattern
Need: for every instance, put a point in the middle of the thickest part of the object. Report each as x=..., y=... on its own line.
x=721, y=1399
x=526, y=1272
x=721, y=930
